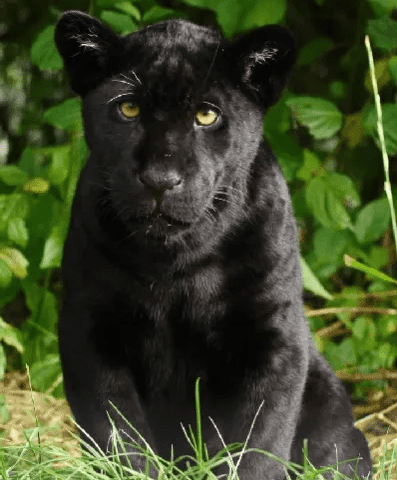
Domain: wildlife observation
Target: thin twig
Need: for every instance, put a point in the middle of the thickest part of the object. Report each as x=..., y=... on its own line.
x=360, y=295
x=362, y=377
x=353, y=310
x=333, y=330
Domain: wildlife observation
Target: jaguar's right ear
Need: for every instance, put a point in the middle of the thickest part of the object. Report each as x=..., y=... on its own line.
x=90, y=49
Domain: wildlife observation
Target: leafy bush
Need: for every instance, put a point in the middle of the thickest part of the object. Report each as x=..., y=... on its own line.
x=324, y=132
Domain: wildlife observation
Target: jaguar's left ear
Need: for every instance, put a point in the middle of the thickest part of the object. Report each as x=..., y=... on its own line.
x=262, y=60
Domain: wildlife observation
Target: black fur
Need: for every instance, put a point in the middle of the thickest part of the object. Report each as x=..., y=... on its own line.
x=182, y=259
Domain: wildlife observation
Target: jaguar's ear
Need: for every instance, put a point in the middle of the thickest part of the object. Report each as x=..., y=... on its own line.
x=263, y=60
x=90, y=50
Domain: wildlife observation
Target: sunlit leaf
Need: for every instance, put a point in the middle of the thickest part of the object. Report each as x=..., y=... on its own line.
x=129, y=8
x=17, y=231
x=311, y=282
x=10, y=335
x=53, y=248
x=351, y=262
x=15, y=260
x=36, y=185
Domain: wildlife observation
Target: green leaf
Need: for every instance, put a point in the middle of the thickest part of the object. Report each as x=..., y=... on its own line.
x=344, y=189
x=43, y=305
x=383, y=33
x=59, y=167
x=44, y=53
x=330, y=244
x=372, y=272
x=389, y=117
x=12, y=175
x=392, y=66
x=129, y=9
x=386, y=355
x=311, y=282
x=383, y=7
x=327, y=196
x=321, y=116
x=10, y=335
x=14, y=205
x=338, y=89
x=120, y=22
x=15, y=260
x=359, y=328
x=311, y=165
x=228, y=12
x=27, y=162
x=36, y=185
x=53, y=248
x=331, y=353
x=372, y=221
x=347, y=352
x=44, y=373
x=314, y=49
x=157, y=13
x=5, y=274
x=17, y=231
x=381, y=75
x=287, y=151
x=378, y=256
x=256, y=14
x=65, y=115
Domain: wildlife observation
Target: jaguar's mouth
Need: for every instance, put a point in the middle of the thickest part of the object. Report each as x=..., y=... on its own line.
x=160, y=225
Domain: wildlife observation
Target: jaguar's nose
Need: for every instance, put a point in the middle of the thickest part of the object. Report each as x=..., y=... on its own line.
x=160, y=180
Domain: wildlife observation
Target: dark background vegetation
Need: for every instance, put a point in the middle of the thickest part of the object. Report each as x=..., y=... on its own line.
x=323, y=132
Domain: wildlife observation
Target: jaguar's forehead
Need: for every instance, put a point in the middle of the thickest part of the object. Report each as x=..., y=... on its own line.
x=176, y=35
x=173, y=60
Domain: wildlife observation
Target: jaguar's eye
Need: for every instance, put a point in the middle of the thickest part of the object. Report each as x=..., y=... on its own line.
x=129, y=109
x=206, y=117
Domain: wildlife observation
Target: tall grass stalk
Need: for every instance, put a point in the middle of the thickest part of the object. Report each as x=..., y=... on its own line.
x=387, y=184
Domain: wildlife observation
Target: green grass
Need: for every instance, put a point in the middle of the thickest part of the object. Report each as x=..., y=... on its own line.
x=33, y=460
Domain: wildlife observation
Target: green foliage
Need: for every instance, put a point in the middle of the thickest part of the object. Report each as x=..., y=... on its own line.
x=321, y=116
x=323, y=131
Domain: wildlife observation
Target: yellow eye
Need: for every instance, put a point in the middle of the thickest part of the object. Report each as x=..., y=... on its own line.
x=129, y=109
x=206, y=117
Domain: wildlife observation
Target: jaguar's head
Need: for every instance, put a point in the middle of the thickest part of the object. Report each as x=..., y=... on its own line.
x=173, y=117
